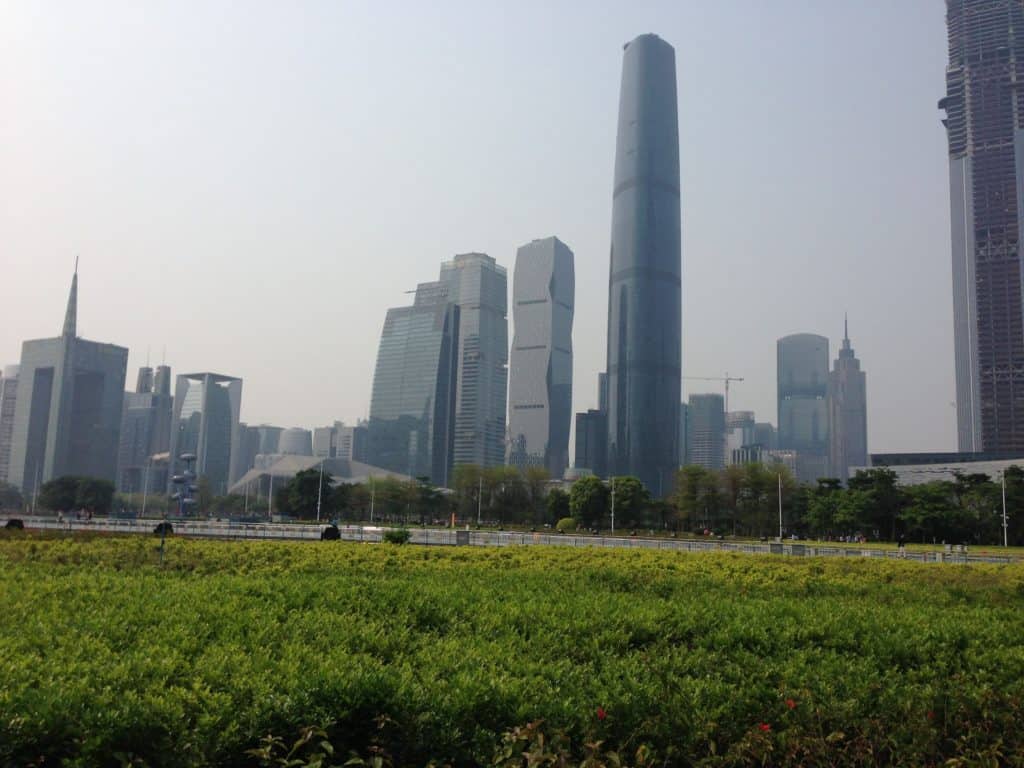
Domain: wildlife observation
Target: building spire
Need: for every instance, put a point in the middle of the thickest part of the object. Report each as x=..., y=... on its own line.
x=846, y=328
x=71, y=316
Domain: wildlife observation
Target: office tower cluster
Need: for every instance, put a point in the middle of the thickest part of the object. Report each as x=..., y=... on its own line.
x=145, y=440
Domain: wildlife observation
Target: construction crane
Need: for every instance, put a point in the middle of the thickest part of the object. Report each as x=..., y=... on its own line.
x=727, y=378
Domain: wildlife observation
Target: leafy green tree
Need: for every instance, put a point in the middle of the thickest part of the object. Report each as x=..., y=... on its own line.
x=689, y=497
x=631, y=499
x=10, y=497
x=204, y=493
x=467, y=482
x=588, y=502
x=885, y=500
x=59, y=494
x=303, y=491
x=929, y=505
x=506, y=495
x=537, y=480
x=557, y=504
x=823, y=505
x=94, y=494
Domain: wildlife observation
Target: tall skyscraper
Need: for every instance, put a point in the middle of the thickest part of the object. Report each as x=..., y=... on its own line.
x=246, y=449
x=8, y=397
x=592, y=442
x=847, y=412
x=803, y=402
x=480, y=289
x=412, y=410
x=740, y=430
x=540, y=371
x=985, y=128
x=67, y=412
x=705, y=431
x=645, y=276
x=206, y=411
x=296, y=441
x=145, y=432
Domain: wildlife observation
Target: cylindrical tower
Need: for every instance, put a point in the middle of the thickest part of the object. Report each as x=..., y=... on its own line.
x=645, y=278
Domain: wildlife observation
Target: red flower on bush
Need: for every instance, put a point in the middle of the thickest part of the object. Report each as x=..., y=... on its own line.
x=765, y=727
x=601, y=714
x=791, y=703
x=930, y=715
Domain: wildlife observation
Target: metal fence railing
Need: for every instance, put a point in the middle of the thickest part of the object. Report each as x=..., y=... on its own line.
x=216, y=529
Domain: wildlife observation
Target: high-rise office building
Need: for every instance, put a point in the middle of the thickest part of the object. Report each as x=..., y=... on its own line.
x=145, y=432
x=67, y=412
x=847, y=413
x=246, y=449
x=296, y=442
x=684, y=428
x=8, y=397
x=705, y=431
x=985, y=128
x=591, y=442
x=206, y=411
x=802, y=372
x=540, y=370
x=480, y=289
x=764, y=435
x=412, y=410
x=740, y=429
x=270, y=438
x=340, y=441
x=645, y=277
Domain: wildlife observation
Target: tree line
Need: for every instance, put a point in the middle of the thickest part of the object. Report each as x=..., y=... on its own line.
x=739, y=501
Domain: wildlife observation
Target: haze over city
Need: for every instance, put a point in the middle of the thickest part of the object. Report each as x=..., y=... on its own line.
x=253, y=192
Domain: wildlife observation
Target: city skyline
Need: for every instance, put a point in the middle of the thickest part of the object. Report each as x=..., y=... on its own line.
x=237, y=337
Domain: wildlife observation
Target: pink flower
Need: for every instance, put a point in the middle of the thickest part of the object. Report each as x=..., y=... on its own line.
x=601, y=714
x=765, y=727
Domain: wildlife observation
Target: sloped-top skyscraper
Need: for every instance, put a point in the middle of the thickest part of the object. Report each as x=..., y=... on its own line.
x=803, y=402
x=67, y=412
x=645, y=276
x=985, y=128
x=540, y=371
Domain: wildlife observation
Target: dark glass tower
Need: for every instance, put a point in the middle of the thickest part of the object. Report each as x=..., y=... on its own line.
x=985, y=127
x=644, y=282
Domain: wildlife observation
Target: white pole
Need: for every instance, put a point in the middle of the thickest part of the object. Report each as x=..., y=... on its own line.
x=270, y=499
x=246, y=500
x=373, y=490
x=479, y=500
x=613, y=504
x=319, y=490
x=1006, y=542
x=780, y=506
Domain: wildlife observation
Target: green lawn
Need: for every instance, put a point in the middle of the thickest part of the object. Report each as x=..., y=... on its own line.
x=435, y=653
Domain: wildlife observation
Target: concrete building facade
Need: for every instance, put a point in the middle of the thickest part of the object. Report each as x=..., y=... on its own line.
x=8, y=397
x=540, y=370
x=591, y=442
x=645, y=275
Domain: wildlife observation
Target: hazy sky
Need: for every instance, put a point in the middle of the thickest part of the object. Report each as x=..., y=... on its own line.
x=252, y=184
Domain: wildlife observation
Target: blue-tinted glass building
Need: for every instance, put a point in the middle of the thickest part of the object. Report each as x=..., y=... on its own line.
x=645, y=277
x=412, y=410
x=540, y=364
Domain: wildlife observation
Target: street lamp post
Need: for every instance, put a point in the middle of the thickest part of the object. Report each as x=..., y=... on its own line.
x=319, y=490
x=1006, y=538
x=613, y=505
x=780, y=506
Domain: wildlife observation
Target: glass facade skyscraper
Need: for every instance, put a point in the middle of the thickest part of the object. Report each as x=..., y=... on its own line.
x=540, y=370
x=802, y=370
x=985, y=128
x=206, y=415
x=705, y=431
x=645, y=276
x=480, y=289
x=412, y=410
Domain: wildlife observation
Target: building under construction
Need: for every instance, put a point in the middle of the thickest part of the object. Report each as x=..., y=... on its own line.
x=985, y=126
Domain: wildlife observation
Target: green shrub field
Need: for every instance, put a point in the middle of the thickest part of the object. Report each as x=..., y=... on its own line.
x=463, y=656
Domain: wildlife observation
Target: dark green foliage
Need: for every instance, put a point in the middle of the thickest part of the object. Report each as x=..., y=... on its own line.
x=558, y=504
x=397, y=535
x=10, y=497
x=67, y=493
x=588, y=502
